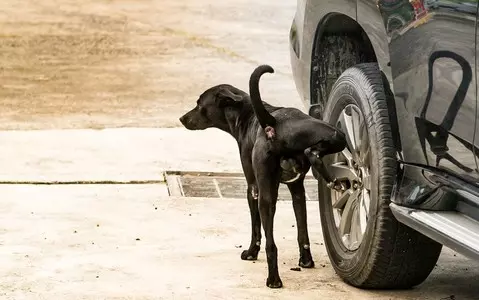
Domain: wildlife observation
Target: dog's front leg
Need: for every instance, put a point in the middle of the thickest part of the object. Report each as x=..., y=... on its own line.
x=252, y=196
x=267, y=172
x=254, y=247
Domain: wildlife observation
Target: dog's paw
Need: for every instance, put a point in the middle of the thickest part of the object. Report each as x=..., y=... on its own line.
x=306, y=263
x=250, y=254
x=305, y=258
x=274, y=282
x=337, y=185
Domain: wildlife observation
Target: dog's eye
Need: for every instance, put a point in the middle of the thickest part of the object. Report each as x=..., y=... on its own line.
x=202, y=110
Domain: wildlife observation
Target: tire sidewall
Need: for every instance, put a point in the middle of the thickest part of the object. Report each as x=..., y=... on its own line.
x=348, y=89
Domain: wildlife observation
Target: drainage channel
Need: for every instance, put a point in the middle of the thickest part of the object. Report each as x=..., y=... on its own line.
x=192, y=184
x=224, y=185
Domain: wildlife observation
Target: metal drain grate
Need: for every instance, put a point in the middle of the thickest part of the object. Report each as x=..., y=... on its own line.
x=224, y=185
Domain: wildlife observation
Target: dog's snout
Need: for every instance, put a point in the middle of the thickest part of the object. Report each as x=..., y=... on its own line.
x=190, y=121
x=183, y=119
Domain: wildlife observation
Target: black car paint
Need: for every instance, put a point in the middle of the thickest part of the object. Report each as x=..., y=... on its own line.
x=430, y=65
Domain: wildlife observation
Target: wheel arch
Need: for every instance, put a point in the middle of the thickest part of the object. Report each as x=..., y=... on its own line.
x=353, y=43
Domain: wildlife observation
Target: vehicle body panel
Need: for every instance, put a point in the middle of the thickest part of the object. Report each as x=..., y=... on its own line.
x=308, y=16
x=370, y=19
x=434, y=47
x=434, y=129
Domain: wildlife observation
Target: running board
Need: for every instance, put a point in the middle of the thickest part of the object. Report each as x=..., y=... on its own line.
x=450, y=228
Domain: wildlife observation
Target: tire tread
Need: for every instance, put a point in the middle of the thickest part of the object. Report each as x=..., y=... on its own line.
x=401, y=257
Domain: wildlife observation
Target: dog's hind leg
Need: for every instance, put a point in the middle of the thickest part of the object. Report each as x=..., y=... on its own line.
x=315, y=157
x=268, y=173
x=255, y=245
x=299, y=204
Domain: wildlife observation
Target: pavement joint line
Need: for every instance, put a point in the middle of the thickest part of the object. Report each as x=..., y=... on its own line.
x=217, y=187
x=80, y=182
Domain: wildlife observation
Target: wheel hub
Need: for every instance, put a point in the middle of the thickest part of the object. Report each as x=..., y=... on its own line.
x=351, y=168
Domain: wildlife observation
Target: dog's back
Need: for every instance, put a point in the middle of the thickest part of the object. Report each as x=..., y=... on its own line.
x=296, y=131
x=288, y=128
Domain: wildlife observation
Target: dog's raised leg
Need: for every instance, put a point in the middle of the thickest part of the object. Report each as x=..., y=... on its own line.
x=267, y=173
x=318, y=168
x=255, y=245
x=299, y=204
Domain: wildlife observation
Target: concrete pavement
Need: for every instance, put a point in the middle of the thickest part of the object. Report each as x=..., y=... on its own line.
x=126, y=154
x=136, y=242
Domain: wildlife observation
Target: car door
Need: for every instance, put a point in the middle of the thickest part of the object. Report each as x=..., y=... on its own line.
x=432, y=52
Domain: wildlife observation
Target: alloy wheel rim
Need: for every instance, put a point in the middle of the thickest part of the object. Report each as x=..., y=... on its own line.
x=352, y=168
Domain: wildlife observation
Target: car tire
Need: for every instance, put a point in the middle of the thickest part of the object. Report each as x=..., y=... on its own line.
x=389, y=254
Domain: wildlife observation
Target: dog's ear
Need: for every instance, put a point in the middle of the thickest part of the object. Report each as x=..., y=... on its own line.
x=225, y=97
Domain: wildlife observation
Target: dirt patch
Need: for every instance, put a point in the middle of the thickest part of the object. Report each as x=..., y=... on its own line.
x=96, y=64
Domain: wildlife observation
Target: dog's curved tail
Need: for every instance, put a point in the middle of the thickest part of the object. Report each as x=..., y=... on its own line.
x=264, y=117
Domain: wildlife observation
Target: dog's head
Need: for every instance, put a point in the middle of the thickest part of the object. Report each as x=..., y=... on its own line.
x=210, y=108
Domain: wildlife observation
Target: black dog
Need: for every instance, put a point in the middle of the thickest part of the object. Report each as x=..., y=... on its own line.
x=276, y=144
